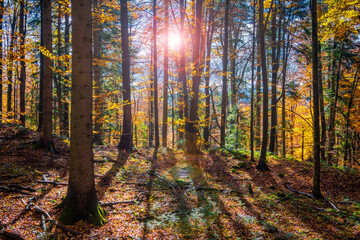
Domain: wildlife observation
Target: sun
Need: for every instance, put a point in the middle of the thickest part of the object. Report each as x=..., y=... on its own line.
x=174, y=40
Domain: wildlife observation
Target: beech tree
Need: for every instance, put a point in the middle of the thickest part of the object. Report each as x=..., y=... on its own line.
x=81, y=201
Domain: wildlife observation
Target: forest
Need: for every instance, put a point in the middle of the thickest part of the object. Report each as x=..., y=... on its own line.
x=179, y=119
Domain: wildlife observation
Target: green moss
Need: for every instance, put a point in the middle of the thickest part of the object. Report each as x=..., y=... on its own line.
x=97, y=216
x=68, y=214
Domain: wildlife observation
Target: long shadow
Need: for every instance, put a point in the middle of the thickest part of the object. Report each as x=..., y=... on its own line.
x=248, y=168
x=153, y=168
x=106, y=180
x=218, y=228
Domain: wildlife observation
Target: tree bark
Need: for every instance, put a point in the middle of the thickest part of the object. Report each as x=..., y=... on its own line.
x=66, y=79
x=262, y=160
x=252, y=86
x=126, y=140
x=156, y=107
x=183, y=100
x=224, y=97
x=191, y=126
x=22, y=24
x=316, y=191
x=10, y=66
x=209, y=37
x=166, y=77
x=46, y=130
x=81, y=201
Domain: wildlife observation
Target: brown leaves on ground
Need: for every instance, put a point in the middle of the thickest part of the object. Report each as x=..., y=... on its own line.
x=174, y=196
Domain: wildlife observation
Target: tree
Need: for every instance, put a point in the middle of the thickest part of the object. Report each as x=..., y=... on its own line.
x=316, y=104
x=191, y=127
x=81, y=201
x=156, y=108
x=166, y=76
x=23, y=68
x=47, y=97
x=126, y=140
x=252, y=86
x=224, y=98
x=11, y=56
x=262, y=160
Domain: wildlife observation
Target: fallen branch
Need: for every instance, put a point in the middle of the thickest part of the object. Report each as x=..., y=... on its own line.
x=116, y=203
x=296, y=191
x=59, y=225
x=52, y=182
x=12, y=190
x=22, y=188
x=331, y=204
x=281, y=199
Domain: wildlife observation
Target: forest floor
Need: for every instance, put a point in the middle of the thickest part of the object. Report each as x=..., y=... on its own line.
x=166, y=195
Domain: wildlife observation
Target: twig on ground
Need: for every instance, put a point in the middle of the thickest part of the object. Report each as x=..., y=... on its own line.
x=12, y=190
x=52, y=182
x=331, y=204
x=296, y=191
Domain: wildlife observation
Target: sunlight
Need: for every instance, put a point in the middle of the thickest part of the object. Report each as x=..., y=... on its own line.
x=174, y=40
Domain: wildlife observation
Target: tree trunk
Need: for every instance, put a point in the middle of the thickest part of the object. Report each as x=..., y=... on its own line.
x=333, y=111
x=22, y=64
x=183, y=100
x=156, y=107
x=97, y=79
x=322, y=110
x=209, y=37
x=191, y=127
x=66, y=79
x=252, y=87
x=262, y=160
x=126, y=140
x=58, y=76
x=46, y=130
x=81, y=200
x=166, y=77
x=316, y=106
x=224, y=97
x=11, y=63
x=274, y=69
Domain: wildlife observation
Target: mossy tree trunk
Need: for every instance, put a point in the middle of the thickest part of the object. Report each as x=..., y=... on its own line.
x=81, y=200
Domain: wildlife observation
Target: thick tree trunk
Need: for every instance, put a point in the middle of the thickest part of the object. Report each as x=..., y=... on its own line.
x=97, y=80
x=126, y=140
x=166, y=77
x=262, y=160
x=46, y=130
x=274, y=69
x=81, y=200
x=316, y=105
x=224, y=97
x=22, y=63
x=191, y=127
